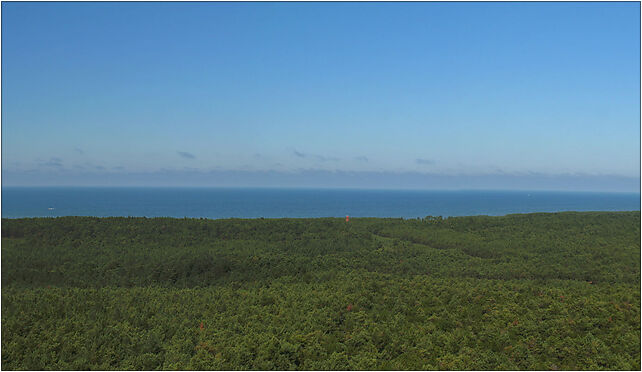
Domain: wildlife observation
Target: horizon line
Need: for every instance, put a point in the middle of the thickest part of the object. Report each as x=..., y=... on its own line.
x=338, y=188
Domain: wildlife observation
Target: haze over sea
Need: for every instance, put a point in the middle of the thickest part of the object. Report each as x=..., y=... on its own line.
x=18, y=202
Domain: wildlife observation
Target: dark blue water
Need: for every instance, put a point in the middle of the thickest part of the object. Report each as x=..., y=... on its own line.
x=274, y=203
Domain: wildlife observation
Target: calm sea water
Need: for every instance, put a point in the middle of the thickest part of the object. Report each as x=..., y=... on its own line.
x=274, y=203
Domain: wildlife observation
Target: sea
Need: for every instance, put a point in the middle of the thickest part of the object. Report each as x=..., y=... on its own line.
x=19, y=202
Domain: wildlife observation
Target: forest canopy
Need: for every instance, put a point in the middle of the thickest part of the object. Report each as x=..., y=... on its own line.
x=532, y=291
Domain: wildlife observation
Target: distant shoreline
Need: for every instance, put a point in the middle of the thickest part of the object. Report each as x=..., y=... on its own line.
x=352, y=218
x=221, y=203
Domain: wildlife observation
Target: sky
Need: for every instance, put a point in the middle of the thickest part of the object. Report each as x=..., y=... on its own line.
x=377, y=95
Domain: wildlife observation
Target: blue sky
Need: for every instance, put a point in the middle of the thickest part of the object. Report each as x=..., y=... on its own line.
x=302, y=94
